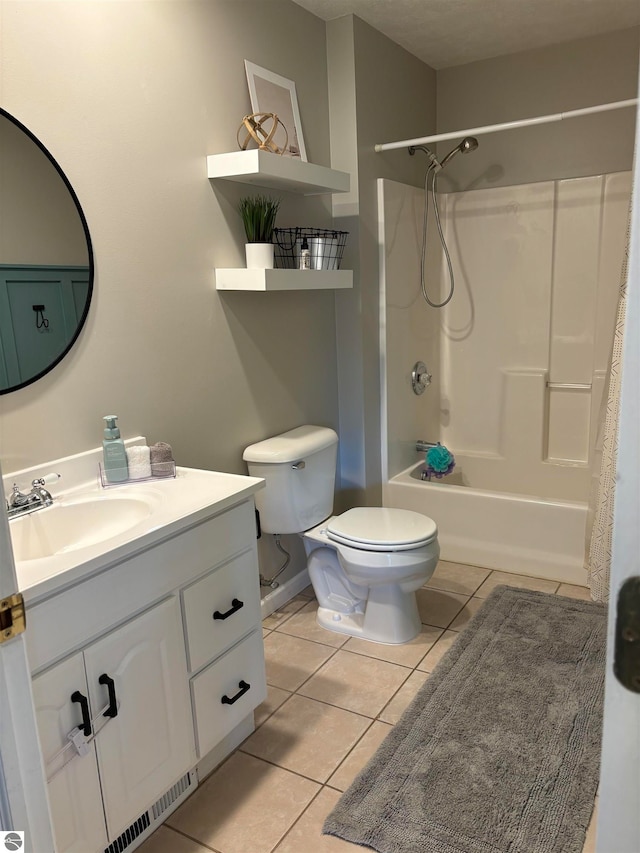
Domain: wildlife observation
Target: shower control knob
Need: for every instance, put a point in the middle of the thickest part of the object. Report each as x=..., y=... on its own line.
x=420, y=378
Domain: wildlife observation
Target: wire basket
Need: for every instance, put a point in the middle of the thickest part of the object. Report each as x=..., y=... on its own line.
x=325, y=245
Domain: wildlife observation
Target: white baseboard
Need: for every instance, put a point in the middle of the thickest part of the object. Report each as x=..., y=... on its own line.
x=277, y=598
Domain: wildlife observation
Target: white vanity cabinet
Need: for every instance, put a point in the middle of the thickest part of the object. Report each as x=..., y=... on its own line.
x=138, y=672
x=169, y=637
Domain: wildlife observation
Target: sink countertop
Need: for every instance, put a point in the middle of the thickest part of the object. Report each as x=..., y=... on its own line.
x=178, y=503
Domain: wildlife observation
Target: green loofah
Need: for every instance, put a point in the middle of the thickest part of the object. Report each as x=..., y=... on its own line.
x=438, y=458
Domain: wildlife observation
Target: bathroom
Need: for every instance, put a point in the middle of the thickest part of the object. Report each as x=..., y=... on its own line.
x=131, y=97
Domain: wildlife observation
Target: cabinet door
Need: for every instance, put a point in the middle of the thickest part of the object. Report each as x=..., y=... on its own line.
x=149, y=745
x=74, y=786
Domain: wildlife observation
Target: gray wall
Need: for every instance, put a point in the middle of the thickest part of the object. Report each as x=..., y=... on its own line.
x=378, y=92
x=554, y=79
x=130, y=98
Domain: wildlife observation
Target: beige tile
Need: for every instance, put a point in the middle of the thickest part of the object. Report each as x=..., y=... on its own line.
x=574, y=591
x=359, y=755
x=308, y=737
x=520, y=581
x=437, y=607
x=166, y=840
x=306, y=834
x=265, y=632
x=304, y=624
x=275, y=698
x=280, y=616
x=405, y=654
x=355, y=682
x=246, y=804
x=590, y=840
x=432, y=658
x=466, y=614
x=290, y=660
x=456, y=577
x=403, y=698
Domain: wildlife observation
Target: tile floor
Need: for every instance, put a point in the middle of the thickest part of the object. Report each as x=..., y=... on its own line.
x=332, y=700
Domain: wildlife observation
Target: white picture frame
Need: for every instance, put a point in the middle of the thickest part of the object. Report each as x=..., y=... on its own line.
x=271, y=93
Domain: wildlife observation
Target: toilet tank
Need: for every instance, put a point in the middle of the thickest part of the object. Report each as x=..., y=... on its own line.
x=299, y=467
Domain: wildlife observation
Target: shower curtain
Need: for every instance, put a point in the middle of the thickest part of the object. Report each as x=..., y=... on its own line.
x=603, y=471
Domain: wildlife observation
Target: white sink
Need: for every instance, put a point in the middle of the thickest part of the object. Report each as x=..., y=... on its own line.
x=75, y=524
x=89, y=528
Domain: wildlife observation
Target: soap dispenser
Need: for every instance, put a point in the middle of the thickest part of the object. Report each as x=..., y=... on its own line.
x=114, y=453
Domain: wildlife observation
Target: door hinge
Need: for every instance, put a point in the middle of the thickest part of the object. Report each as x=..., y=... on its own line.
x=626, y=658
x=12, y=617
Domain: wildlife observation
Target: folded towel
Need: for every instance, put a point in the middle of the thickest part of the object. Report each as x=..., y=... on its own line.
x=162, y=464
x=139, y=461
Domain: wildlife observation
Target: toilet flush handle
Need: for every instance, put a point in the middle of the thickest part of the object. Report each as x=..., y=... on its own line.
x=298, y=466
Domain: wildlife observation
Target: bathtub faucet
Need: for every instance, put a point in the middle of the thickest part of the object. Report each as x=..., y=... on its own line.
x=423, y=446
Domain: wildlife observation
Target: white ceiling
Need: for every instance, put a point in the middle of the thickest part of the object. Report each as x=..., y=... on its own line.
x=443, y=33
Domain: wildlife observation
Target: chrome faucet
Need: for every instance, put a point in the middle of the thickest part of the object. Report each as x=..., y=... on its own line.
x=21, y=503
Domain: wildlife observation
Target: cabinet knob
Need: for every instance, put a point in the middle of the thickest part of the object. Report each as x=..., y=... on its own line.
x=236, y=605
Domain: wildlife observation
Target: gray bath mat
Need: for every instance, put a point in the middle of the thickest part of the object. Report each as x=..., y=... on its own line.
x=499, y=751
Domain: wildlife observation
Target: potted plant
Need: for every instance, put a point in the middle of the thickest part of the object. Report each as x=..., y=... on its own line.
x=259, y=217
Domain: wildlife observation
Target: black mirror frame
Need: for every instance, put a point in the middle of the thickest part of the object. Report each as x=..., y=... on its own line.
x=87, y=235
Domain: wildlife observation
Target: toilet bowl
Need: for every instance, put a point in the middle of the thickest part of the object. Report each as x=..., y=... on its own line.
x=365, y=567
x=366, y=564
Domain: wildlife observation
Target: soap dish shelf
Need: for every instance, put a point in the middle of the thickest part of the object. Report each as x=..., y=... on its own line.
x=169, y=467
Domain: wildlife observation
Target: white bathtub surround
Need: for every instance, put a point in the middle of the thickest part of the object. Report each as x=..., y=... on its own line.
x=519, y=358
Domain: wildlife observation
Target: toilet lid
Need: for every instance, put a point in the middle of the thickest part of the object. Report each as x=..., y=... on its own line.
x=382, y=529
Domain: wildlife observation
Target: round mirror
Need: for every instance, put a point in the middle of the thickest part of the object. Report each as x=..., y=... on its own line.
x=46, y=259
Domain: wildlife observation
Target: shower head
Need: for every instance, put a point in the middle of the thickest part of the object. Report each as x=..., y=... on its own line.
x=469, y=143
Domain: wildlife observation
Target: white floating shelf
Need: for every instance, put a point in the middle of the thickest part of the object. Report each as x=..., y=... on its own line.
x=264, y=169
x=244, y=279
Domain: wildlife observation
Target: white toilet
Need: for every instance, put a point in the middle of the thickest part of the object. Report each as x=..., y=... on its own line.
x=366, y=564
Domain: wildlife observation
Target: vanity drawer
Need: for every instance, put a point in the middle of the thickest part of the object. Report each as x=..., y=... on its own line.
x=221, y=608
x=227, y=691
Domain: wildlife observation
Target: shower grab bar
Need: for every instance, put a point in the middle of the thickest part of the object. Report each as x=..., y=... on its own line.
x=569, y=386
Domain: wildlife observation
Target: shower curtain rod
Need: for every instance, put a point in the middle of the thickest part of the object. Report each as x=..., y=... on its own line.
x=508, y=125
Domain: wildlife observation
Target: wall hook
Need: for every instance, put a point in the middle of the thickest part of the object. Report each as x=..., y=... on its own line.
x=41, y=320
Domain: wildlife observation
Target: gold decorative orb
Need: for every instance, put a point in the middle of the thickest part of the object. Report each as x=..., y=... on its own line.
x=261, y=128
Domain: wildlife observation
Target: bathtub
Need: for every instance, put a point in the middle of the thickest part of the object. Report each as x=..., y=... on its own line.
x=497, y=530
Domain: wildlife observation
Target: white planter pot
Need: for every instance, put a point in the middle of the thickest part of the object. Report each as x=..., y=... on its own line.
x=259, y=256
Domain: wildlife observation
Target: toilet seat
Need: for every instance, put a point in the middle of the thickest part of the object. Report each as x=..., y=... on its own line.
x=382, y=529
